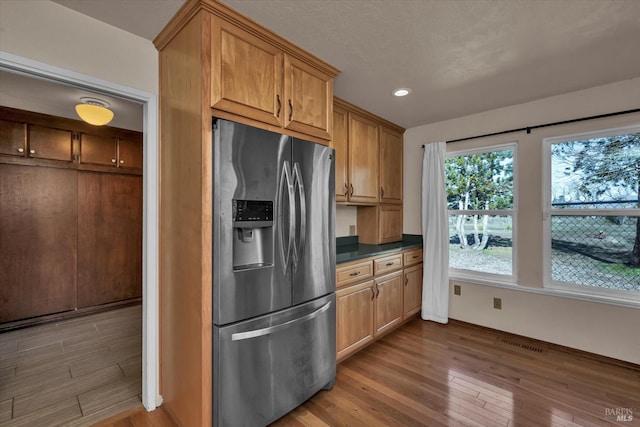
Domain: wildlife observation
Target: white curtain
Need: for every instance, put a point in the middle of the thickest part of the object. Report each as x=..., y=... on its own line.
x=435, y=235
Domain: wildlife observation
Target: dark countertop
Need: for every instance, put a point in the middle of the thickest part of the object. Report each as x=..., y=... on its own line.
x=348, y=248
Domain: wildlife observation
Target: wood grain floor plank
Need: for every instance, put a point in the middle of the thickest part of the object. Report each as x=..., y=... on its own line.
x=6, y=410
x=57, y=414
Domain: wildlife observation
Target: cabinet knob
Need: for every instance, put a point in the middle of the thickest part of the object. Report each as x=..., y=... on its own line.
x=279, y=106
x=346, y=190
x=381, y=192
x=32, y=151
x=373, y=293
x=122, y=162
x=290, y=110
x=350, y=189
x=20, y=150
x=113, y=160
x=406, y=281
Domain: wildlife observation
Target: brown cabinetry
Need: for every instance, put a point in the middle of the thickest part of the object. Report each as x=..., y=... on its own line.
x=70, y=226
x=38, y=241
x=390, y=166
x=341, y=159
x=253, y=77
x=380, y=224
x=363, y=160
x=388, y=301
x=368, y=308
x=109, y=238
x=104, y=150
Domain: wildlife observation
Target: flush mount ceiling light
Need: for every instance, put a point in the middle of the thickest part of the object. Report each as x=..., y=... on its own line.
x=403, y=91
x=94, y=111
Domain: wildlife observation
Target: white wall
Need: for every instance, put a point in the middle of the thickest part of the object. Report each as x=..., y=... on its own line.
x=345, y=216
x=48, y=32
x=528, y=309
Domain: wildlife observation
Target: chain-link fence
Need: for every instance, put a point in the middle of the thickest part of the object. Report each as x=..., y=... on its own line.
x=595, y=250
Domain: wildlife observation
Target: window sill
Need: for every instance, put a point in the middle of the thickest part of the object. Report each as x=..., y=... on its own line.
x=550, y=291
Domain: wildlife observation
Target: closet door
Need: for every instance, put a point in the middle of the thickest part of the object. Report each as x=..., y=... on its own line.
x=38, y=241
x=109, y=237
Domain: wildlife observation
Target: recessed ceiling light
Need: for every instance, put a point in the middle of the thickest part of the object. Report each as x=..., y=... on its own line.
x=403, y=91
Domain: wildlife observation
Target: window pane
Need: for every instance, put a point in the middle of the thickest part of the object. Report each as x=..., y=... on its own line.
x=481, y=243
x=595, y=251
x=597, y=173
x=480, y=181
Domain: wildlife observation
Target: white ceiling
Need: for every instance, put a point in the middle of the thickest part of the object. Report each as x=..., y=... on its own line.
x=459, y=56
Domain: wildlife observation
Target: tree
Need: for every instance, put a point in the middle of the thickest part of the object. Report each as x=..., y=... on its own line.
x=606, y=168
x=481, y=181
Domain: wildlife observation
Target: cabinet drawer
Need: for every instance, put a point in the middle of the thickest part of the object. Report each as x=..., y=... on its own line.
x=386, y=264
x=352, y=273
x=412, y=257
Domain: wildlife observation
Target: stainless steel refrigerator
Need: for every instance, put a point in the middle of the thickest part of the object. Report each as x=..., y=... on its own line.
x=274, y=328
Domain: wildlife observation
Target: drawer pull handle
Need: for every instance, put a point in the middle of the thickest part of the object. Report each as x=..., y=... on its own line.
x=414, y=257
x=355, y=273
x=389, y=264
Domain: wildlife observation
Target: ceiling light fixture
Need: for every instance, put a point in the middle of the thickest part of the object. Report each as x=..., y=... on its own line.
x=94, y=111
x=403, y=91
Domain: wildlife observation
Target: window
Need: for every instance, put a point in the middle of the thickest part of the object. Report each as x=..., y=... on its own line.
x=592, y=218
x=481, y=204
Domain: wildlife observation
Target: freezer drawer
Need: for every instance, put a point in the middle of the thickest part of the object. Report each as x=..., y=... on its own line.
x=265, y=367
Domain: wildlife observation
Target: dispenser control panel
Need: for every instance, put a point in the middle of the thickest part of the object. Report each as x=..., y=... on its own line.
x=252, y=210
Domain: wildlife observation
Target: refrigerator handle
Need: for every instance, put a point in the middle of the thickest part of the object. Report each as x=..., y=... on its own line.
x=299, y=248
x=277, y=328
x=285, y=180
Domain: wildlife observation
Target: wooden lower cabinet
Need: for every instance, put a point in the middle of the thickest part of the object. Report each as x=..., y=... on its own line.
x=354, y=323
x=412, y=291
x=388, y=301
x=370, y=307
x=109, y=238
x=38, y=241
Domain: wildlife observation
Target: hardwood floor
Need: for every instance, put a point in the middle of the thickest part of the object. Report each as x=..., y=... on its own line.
x=74, y=372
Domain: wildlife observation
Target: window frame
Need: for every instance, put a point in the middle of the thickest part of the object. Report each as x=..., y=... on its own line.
x=588, y=291
x=479, y=276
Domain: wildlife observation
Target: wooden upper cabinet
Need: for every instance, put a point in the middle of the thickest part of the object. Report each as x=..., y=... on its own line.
x=339, y=144
x=363, y=160
x=308, y=93
x=390, y=166
x=13, y=138
x=246, y=74
x=49, y=143
x=110, y=151
x=130, y=152
x=98, y=150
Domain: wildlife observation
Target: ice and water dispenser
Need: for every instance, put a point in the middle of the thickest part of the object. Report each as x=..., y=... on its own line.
x=252, y=234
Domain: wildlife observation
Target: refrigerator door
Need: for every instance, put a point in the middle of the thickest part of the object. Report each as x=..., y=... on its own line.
x=267, y=366
x=314, y=251
x=252, y=227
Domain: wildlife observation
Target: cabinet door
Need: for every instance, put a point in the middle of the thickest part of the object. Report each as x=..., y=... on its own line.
x=308, y=93
x=246, y=74
x=390, y=166
x=49, y=143
x=109, y=237
x=388, y=302
x=363, y=160
x=13, y=138
x=130, y=152
x=354, y=322
x=412, y=290
x=339, y=144
x=98, y=150
x=38, y=241
x=390, y=225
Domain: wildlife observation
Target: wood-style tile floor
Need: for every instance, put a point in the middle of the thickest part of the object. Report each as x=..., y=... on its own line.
x=71, y=373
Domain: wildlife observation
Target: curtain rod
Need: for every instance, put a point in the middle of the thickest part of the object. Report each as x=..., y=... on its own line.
x=528, y=129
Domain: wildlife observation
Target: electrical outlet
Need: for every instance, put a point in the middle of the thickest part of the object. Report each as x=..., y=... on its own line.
x=457, y=290
x=352, y=230
x=497, y=303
